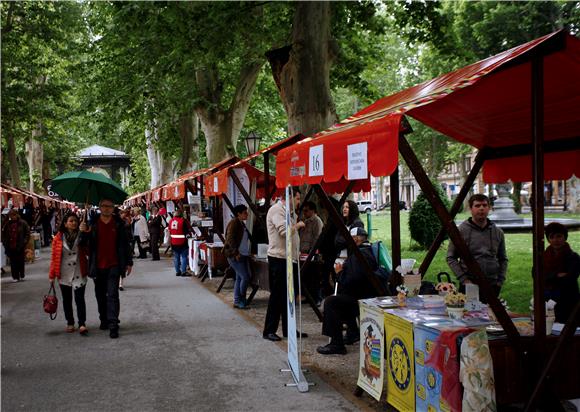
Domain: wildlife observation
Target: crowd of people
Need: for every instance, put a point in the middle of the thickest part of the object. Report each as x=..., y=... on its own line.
x=101, y=244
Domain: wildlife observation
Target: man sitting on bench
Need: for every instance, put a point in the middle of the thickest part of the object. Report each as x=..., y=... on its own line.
x=353, y=284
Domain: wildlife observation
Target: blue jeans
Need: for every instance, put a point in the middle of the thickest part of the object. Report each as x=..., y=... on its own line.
x=180, y=255
x=242, y=278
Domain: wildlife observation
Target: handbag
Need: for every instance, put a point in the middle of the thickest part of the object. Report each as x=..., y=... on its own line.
x=50, y=302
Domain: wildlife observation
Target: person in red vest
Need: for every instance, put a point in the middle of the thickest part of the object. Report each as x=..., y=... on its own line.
x=179, y=228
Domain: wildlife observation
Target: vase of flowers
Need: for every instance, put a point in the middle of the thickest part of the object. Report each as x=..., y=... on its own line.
x=402, y=293
x=455, y=303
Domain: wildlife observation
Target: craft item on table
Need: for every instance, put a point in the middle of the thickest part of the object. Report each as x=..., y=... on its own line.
x=413, y=283
x=455, y=303
x=386, y=302
x=402, y=293
x=524, y=326
x=411, y=277
x=444, y=288
x=550, y=315
x=432, y=301
x=471, y=293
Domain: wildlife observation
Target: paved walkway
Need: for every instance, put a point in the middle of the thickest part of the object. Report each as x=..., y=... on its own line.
x=181, y=349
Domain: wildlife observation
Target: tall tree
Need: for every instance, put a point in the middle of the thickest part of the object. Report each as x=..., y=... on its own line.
x=41, y=44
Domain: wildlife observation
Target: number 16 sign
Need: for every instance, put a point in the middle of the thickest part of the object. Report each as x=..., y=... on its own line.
x=316, y=161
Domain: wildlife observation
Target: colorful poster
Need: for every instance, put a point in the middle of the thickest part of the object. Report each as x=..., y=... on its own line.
x=400, y=363
x=372, y=351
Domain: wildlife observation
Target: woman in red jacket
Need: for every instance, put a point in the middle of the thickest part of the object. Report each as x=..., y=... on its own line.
x=69, y=264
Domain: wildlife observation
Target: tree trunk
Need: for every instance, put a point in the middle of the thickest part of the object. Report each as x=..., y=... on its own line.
x=163, y=170
x=189, y=134
x=222, y=127
x=152, y=158
x=13, y=159
x=34, y=156
x=302, y=70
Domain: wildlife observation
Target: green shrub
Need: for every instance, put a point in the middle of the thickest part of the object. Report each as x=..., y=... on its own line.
x=423, y=221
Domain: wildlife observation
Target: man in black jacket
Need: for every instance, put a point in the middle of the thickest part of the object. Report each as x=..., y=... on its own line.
x=110, y=256
x=353, y=284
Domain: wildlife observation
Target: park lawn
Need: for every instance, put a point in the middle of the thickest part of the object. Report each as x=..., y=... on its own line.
x=517, y=290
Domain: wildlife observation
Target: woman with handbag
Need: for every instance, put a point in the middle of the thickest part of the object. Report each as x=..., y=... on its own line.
x=69, y=265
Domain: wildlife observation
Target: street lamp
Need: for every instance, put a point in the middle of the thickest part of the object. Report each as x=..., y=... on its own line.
x=252, y=143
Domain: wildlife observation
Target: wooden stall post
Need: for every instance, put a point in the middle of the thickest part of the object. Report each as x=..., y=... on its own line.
x=395, y=226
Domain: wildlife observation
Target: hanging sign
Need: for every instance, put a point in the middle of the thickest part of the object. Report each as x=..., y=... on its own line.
x=316, y=161
x=215, y=184
x=357, y=161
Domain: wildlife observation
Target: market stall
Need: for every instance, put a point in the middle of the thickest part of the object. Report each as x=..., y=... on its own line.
x=519, y=108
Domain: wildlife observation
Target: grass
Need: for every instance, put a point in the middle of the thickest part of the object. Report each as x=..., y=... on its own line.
x=517, y=289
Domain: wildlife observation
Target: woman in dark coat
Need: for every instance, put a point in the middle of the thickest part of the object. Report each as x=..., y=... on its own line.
x=350, y=215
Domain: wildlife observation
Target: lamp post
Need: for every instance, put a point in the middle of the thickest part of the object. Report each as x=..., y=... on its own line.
x=252, y=143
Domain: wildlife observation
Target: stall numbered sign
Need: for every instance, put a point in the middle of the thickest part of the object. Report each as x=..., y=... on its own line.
x=357, y=161
x=316, y=161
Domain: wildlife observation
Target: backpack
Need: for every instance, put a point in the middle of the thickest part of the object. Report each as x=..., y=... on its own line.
x=384, y=263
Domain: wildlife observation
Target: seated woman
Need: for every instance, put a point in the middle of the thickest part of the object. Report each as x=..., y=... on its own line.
x=561, y=268
x=350, y=216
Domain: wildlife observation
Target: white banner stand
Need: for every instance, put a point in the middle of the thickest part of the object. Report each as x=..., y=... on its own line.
x=294, y=352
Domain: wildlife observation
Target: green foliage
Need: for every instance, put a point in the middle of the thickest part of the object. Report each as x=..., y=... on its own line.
x=423, y=221
x=42, y=49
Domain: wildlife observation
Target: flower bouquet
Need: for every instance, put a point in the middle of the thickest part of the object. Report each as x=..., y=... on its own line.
x=455, y=303
x=402, y=293
x=444, y=288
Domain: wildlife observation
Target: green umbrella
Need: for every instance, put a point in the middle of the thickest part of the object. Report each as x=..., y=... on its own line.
x=88, y=187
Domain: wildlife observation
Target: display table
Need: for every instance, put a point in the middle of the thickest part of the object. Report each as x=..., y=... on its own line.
x=396, y=344
x=211, y=258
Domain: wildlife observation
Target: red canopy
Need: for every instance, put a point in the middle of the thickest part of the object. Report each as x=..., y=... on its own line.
x=486, y=104
x=218, y=183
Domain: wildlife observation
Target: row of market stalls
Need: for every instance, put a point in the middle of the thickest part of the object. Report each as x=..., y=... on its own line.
x=15, y=197
x=518, y=108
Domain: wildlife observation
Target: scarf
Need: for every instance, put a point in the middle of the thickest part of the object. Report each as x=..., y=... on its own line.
x=70, y=238
x=555, y=259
